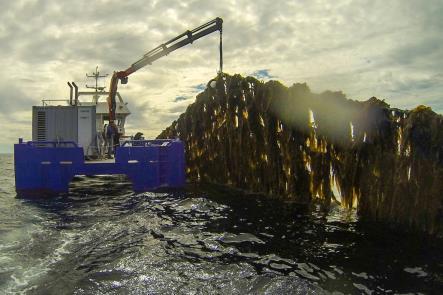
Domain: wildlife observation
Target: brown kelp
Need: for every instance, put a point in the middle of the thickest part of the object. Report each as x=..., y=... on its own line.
x=290, y=142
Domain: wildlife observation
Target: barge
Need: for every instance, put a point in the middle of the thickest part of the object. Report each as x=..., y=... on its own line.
x=68, y=140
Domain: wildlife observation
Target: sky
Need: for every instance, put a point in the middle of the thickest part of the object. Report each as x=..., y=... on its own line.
x=389, y=49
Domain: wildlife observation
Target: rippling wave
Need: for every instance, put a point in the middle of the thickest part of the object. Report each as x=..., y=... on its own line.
x=101, y=238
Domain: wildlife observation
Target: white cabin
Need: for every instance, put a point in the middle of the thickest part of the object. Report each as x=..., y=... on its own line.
x=74, y=120
x=102, y=110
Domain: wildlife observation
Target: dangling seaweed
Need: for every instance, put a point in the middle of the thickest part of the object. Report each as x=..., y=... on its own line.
x=290, y=142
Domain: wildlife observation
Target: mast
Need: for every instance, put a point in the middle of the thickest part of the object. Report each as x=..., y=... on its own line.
x=96, y=75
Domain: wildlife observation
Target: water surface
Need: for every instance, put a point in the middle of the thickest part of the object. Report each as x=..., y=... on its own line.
x=102, y=238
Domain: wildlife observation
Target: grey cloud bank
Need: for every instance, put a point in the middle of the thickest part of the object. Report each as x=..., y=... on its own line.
x=389, y=49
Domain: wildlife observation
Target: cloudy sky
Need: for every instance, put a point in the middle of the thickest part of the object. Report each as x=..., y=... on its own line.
x=389, y=49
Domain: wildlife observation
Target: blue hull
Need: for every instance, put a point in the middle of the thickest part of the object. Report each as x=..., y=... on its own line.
x=47, y=167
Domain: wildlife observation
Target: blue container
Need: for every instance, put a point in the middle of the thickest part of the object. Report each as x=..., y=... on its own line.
x=47, y=167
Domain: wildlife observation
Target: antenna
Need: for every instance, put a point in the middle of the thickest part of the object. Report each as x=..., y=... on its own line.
x=96, y=75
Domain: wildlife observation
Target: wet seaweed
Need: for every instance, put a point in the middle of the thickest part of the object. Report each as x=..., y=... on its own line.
x=303, y=146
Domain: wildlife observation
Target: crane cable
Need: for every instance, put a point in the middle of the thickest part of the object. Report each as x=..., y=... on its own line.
x=221, y=50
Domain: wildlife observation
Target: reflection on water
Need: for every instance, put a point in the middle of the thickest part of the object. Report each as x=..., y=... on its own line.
x=102, y=238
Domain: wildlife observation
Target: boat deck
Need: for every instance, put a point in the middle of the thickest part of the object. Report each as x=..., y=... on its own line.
x=50, y=167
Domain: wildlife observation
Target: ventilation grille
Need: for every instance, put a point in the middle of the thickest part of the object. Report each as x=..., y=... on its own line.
x=41, y=126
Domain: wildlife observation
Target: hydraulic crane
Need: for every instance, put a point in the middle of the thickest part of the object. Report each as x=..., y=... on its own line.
x=181, y=40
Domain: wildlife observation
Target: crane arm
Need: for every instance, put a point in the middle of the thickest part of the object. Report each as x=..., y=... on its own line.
x=181, y=40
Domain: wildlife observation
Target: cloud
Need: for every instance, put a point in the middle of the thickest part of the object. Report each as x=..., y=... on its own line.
x=12, y=99
x=181, y=98
x=364, y=48
x=200, y=87
x=262, y=74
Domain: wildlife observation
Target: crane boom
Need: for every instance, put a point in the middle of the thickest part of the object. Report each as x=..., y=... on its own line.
x=181, y=40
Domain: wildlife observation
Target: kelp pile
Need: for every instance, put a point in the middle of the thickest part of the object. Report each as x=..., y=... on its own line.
x=290, y=142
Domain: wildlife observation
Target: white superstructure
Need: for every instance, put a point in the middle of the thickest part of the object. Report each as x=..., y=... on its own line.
x=82, y=118
x=102, y=110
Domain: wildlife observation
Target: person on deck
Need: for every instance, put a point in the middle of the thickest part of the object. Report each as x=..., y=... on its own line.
x=105, y=140
x=116, y=139
x=110, y=134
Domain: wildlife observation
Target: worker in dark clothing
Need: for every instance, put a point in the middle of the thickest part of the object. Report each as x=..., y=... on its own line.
x=116, y=138
x=104, y=130
x=138, y=136
x=110, y=131
x=105, y=140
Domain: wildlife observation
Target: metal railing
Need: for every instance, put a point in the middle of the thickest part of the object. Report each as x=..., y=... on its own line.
x=144, y=142
x=45, y=101
x=49, y=143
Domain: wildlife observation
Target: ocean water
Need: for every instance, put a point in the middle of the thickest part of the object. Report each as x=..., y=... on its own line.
x=102, y=238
